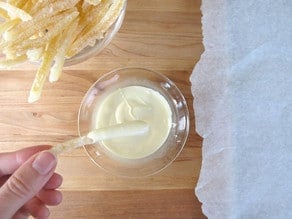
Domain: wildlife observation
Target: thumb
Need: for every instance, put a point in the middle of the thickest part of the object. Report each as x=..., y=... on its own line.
x=26, y=182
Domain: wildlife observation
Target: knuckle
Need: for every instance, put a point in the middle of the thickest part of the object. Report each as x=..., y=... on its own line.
x=16, y=186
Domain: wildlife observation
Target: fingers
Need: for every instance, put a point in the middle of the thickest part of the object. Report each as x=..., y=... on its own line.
x=21, y=214
x=13, y=160
x=35, y=208
x=3, y=179
x=54, y=182
x=26, y=182
x=50, y=197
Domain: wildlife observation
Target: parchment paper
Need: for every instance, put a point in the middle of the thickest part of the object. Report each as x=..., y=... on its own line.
x=242, y=88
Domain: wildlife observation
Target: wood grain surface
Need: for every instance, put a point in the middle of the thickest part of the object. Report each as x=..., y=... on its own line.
x=163, y=35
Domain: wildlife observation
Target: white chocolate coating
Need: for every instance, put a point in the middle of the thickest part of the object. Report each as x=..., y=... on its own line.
x=135, y=103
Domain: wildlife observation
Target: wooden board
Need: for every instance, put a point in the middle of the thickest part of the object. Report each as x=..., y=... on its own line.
x=161, y=35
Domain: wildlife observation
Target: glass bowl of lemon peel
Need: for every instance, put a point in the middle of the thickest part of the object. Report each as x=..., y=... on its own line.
x=56, y=33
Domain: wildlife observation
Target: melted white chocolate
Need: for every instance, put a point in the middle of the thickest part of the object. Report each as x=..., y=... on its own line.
x=135, y=103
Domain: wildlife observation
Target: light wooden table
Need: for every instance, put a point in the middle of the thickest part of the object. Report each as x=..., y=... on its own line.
x=164, y=35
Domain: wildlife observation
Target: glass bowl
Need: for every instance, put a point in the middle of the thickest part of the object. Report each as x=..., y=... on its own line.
x=99, y=45
x=165, y=154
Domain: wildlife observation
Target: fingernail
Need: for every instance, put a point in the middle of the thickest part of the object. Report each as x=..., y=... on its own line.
x=44, y=163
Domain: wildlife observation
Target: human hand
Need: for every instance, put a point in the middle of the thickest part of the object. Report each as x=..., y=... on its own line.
x=28, y=183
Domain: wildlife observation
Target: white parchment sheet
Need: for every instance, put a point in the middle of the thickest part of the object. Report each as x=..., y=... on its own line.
x=242, y=88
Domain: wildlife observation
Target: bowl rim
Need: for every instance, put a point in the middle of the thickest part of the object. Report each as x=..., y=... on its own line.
x=187, y=120
x=90, y=51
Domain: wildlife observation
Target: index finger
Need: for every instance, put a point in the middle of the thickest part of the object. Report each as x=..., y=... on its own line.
x=11, y=161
